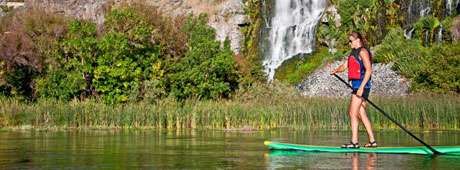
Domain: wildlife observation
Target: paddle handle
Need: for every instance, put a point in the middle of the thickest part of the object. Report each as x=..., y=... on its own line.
x=392, y=119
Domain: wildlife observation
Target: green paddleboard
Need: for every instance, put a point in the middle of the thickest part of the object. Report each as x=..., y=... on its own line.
x=449, y=150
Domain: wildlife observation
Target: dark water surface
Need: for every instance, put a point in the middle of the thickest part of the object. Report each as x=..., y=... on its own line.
x=207, y=149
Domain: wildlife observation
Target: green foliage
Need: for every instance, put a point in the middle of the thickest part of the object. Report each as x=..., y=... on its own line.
x=441, y=71
x=250, y=65
x=330, y=32
x=298, y=68
x=447, y=22
x=114, y=65
x=126, y=55
x=421, y=59
x=348, y=10
x=27, y=39
x=362, y=16
x=20, y=80
x=59, y=84
x=393, y=13
x=265, y=107
x=372, y=18
x=207, y=70
x=139, y=54
x=395, y=46
x=74, y=66
x=426, y=29
x=128, y=22
x=429, y=69
x=167, y=30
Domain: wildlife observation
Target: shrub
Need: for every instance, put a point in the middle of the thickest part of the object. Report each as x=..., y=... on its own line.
x=207, y=70
x=74, y=69
x=430, y=69
x=167, y=30
x=127, y=55
x=27, y=40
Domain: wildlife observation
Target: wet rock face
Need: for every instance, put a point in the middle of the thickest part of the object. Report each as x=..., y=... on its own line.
x=225, y=16
x=385, y=82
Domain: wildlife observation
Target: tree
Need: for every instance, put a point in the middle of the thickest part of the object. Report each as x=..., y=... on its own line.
x=207, y=70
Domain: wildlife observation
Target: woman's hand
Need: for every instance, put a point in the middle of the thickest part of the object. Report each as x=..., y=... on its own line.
x=360, y=91
x=339, y=69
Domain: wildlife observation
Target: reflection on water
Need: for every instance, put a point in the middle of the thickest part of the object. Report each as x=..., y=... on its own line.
x=206, y=149
x=277, y=159
x=313, y=160
x=371, y=161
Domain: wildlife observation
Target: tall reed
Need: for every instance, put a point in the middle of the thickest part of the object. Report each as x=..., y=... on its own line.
x=415, y=112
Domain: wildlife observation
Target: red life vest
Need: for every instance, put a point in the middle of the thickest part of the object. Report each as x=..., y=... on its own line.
x=356, y=68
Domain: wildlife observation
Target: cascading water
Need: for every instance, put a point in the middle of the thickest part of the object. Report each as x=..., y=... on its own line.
x=427, y=39
x=457, y=6
x=452, y=7
x=292, y=31
x=265, y=17
x=420, y=8
x=408, y=33
x=417, y=9
x=449, y=7
x=439, y=36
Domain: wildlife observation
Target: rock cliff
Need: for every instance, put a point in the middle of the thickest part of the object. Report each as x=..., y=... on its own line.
x=226, y=16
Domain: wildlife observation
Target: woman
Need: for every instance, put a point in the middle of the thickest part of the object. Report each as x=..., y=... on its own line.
x=359, y=73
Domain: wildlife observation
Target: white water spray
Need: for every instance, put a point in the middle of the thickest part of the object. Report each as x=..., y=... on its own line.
x=449, y=7
x=439, y=36
x=293, y=29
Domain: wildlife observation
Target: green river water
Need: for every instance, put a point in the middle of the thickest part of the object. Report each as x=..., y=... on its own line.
x=208, y=149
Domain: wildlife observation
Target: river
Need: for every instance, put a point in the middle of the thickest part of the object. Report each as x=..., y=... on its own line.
x=208, y=149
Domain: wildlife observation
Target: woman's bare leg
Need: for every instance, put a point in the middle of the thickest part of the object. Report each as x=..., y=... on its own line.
x=353, y=112
x=366, y=122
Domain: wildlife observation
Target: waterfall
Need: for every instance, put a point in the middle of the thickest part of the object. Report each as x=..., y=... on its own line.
x=417, y=9
x=449, y=7
x=452, y=7
x=427, y=39
x=265, y=17
x=292, y=32
x=425, y=11
x=439, y=36
x=457, y=6
x=408, y=33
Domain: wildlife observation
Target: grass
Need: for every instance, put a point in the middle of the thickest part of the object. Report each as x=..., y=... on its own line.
x=246, y=110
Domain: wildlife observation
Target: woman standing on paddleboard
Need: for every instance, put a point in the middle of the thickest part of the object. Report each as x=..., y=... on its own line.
x=359, y=74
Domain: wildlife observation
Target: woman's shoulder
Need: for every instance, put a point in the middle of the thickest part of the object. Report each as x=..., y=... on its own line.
x=364, y=51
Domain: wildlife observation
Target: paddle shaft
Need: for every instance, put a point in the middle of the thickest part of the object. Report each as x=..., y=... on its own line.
x=391, y=119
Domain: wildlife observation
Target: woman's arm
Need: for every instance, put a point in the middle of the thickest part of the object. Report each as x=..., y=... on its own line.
x=339, y=69
x=367, y=65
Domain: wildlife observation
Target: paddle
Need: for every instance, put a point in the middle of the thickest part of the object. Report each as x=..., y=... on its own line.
x=391, y=119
